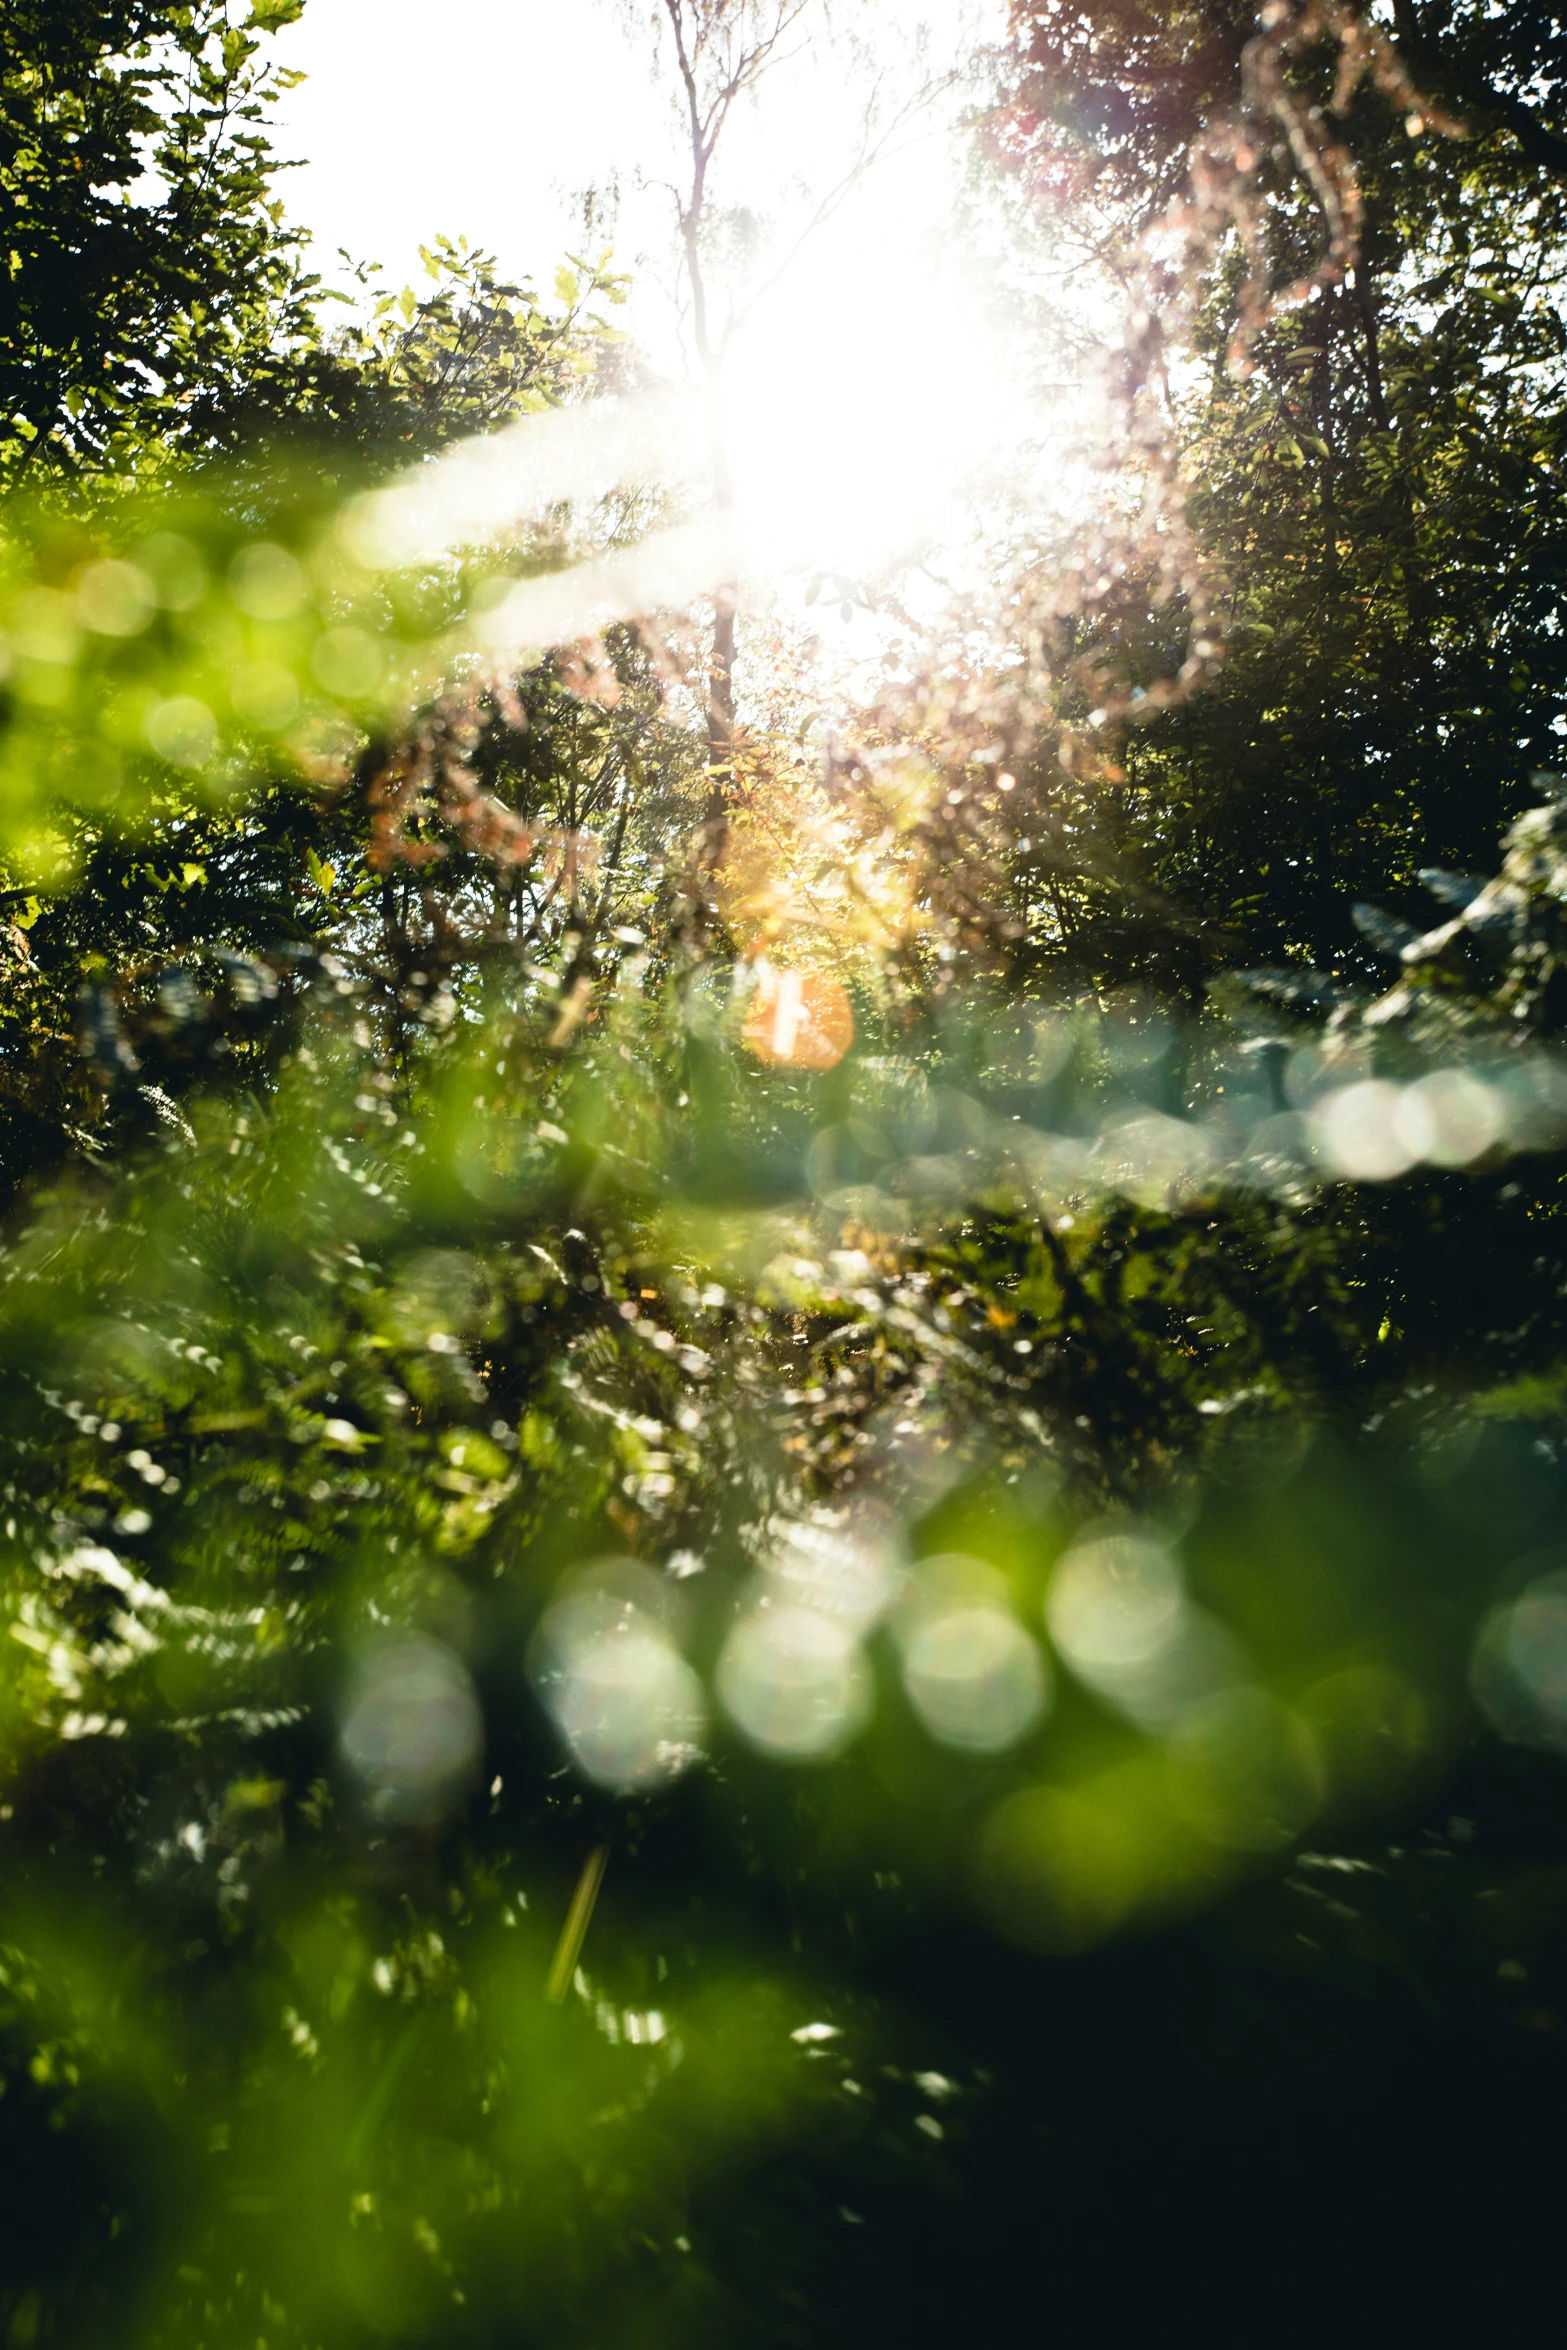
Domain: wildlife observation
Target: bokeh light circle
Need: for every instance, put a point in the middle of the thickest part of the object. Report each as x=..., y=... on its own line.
x=608, y=1670
x=975, y=1678
x=1450, y=1118
x=1360, y=1132
x=1519, y=1669
x=1061, y=1868
x=794, y=1682
x=629, y=1708
x=1114, y=1602
x=411, y=1732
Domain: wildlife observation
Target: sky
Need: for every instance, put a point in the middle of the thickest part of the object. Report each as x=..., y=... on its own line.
x=864, y=381
x=490, y=119
x=479, y=118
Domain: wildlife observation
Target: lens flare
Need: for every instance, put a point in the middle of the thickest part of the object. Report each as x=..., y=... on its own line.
x=799, y=1019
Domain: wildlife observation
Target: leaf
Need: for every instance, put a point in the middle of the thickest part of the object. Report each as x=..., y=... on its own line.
x=1386, y=932
x=1305, y=988
x=1458, y=890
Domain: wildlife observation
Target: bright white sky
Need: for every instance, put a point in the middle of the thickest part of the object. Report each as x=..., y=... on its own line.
x=479, y=118
x=874, y=369
x=489, y=119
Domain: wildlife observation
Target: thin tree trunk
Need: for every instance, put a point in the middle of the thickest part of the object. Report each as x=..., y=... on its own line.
x=1365, y=303
x=1322, y=406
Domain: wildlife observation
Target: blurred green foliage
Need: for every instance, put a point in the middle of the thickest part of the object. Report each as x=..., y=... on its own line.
x=392, y=1343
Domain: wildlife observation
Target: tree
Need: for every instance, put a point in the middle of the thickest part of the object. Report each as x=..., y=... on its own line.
x=175, y=346
x=151, y=281
x=1375, y=499
x=722, y=51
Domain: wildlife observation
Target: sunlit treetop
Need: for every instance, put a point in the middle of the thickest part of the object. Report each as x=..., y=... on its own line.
x=150, y=278
x=155, y=299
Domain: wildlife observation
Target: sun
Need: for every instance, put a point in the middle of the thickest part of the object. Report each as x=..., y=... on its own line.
x=864, y=400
